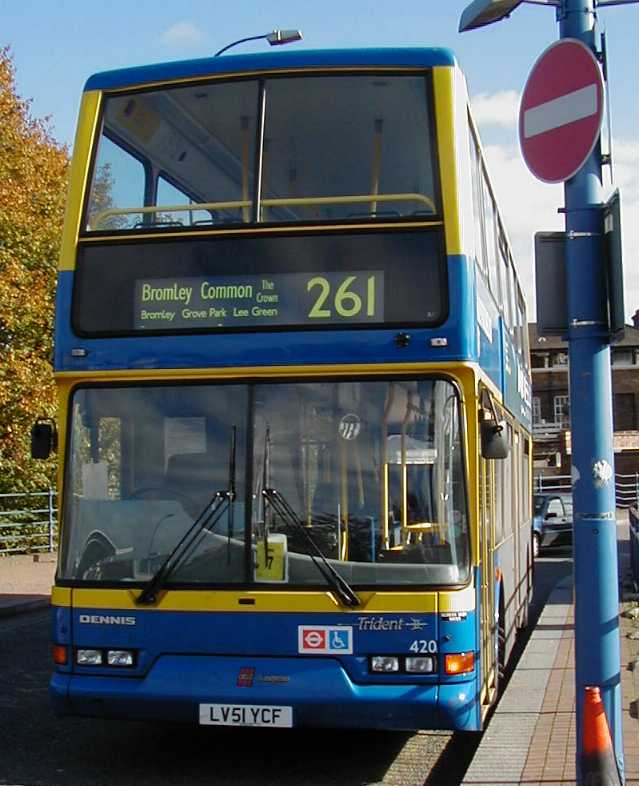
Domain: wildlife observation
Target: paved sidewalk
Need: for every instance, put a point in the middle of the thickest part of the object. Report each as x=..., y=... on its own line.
x=531, y=736
x=25, y=582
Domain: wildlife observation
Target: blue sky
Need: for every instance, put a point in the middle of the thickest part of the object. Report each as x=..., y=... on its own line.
x=56, y=46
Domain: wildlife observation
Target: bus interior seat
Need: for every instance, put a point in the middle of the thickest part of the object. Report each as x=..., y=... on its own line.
x=418, y=553
x=376, y=214
x=156, y=224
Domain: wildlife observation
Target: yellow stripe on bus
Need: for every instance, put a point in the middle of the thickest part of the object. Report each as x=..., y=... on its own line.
x=291, y=601
x=61, y=596
x=443, y=83
x=78, y=174
x=465, y=370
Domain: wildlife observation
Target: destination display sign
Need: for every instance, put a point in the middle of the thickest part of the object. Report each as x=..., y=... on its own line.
x=266, y=300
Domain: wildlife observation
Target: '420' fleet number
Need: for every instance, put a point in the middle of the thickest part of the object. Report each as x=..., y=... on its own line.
x=424, y=646
x=343, y=301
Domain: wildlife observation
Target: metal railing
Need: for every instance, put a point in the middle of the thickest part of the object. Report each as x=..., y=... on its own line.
x=626, y=487
x=28, y=522
x=551, y=428
x=633, y=520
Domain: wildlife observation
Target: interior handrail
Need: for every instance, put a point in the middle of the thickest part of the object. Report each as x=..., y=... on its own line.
x=100, y=217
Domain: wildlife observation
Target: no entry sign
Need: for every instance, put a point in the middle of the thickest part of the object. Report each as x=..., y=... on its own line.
x=561, y=111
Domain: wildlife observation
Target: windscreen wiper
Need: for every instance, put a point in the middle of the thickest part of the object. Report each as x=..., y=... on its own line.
x=342, y=588
x=205, y=522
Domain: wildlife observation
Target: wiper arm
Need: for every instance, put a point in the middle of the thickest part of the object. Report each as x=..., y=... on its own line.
x=342, y=588
x=205, y=521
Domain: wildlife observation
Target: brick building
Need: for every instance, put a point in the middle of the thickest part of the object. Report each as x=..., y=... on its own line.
x=551, y=402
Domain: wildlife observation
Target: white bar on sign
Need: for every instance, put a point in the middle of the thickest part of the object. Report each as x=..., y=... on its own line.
x=561, y=111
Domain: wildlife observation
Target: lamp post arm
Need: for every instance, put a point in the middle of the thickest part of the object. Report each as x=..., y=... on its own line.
x=604, y=3
x=240, y=41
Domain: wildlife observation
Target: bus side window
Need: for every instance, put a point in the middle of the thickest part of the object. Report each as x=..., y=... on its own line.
x=490, y=239
x=525, y=497
x=499, y=467
x=509, y=298
x=506, y=489
x=120, y=181
x=516, y=454
x=478, y=212
x=523, y=327
x=169, y=195
x=503, y=275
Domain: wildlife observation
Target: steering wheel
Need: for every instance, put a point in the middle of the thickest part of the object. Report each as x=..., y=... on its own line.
x=96, y=549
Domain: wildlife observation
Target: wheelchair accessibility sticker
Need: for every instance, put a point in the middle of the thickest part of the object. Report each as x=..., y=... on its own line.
x=324, y=640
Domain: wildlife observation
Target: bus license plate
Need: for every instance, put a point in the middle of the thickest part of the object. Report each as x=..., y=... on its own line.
x=245, y=715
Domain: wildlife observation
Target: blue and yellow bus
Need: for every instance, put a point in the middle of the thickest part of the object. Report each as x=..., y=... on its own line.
x=294, y=399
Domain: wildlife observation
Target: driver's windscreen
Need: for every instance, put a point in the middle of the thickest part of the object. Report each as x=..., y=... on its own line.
x=366, y=474
x=144, y=462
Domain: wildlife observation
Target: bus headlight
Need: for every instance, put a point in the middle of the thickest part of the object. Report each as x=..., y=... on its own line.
x=422, y=665
x=120, y=658
x=89, y=657
x=384, y=663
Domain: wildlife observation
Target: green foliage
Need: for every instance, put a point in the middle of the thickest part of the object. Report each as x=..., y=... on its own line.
x=33, y=171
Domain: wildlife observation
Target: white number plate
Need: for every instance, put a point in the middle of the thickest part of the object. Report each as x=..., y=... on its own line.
x=245, y=715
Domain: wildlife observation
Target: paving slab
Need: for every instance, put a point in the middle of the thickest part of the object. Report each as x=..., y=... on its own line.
x=25, y=582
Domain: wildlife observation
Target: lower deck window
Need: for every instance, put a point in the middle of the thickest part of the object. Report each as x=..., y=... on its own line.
x=370, y=474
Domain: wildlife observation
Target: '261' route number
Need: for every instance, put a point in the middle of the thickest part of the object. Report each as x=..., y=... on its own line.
x=347, y=302
x=424, y=646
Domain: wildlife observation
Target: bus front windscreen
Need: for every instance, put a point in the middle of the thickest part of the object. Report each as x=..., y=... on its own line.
x=367, y=474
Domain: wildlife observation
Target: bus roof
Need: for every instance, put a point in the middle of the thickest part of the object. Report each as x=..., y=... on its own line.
x=265, y=61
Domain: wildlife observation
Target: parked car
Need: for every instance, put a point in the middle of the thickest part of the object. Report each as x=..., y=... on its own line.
x=552, y=521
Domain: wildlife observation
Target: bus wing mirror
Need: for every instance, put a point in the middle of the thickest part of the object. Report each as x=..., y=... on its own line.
x=494, y=439
x=44, y=439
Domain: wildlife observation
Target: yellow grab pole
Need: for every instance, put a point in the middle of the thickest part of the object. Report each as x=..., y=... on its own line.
x=377, y=158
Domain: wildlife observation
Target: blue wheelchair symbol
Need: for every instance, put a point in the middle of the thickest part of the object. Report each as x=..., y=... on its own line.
x=339, y=640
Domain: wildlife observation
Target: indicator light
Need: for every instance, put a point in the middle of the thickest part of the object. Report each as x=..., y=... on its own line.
x=60, y=654
x=459, y=663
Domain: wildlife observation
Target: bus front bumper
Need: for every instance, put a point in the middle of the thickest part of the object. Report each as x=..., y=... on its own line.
x=318, y=690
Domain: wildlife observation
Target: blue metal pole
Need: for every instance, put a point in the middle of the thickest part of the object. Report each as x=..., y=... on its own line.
x=597, y=655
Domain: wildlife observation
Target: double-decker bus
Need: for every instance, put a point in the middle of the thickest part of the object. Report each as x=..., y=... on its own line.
x=294, y=399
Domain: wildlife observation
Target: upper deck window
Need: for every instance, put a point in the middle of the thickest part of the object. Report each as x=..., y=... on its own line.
x=347, y=147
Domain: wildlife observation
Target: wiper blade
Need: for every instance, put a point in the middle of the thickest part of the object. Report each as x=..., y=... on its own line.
x=342, y=588
x=206, y=520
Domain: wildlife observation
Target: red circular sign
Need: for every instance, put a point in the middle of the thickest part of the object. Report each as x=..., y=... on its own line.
x=561, y=111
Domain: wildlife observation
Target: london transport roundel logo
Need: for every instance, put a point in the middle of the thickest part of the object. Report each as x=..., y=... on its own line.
x=314, y=639
x=561, y=111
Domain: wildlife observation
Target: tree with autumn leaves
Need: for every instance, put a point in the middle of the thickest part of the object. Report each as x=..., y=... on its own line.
x=33, y=173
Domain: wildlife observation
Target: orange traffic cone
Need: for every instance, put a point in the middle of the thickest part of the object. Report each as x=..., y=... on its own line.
x=598, y=763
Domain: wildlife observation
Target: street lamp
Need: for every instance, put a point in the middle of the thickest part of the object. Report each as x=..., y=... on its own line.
x=485, y=12
x=275, y=38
